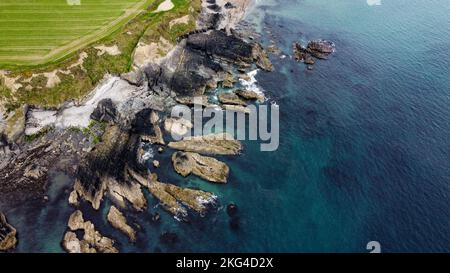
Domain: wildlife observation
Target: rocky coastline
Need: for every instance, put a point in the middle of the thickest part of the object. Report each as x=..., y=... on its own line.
x=106, y=157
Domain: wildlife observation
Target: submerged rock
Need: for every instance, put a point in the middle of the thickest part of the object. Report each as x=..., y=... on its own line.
x=207, y=168
x=232, y=210
x=218, y=144
x=118, y=221
x=169, y=238
x=92, y=240
x=8, y=234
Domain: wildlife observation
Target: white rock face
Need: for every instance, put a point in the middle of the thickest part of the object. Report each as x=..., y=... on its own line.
x=72, y=115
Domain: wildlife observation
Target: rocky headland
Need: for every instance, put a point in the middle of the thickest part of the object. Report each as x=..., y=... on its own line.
x=99, y=141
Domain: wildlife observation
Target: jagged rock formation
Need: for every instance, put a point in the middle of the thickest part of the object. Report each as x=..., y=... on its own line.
x=129, y=191
x=319, y=49
x=201, y=61
x=207, y=168
x=147, y=124
x=92, y=241
x=118, y=221
x=24, y=172
x=172, y=197
x=218, y=144
x=104, y=165
x=8, y=234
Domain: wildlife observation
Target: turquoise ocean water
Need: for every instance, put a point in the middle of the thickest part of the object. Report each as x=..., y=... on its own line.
x=364, y=153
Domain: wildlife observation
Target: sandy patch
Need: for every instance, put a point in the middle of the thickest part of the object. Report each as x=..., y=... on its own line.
x=165, y=6
x=181, y=20
x=52, y=79
x=10, y=82
x=152, y=53
x=82, y=57
x=110, y=50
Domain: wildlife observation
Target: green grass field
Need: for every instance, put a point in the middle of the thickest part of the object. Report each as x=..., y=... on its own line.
x=34, y=32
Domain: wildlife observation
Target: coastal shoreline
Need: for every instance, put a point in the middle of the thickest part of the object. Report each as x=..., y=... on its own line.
x=116, y=115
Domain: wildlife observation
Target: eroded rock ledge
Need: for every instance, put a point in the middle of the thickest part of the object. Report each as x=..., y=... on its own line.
x=118, y=221
x=213, y=144
x=92, y=241
x=205, y=167
x=173, y=197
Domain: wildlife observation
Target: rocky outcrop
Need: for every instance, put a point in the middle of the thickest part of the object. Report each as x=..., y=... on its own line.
x=23, y=172
x=105, y=111
x=201, y=61
x=128, y=191
x=236, y=108
x=134, y=77
x=319, y=49
x=8, y=233
x=205, y=167
x=214, y=144
x=147, y=124
x=261, y=58
x=118, y=221
x=230, y=98
x=103, y=169
x=172, y=197
x=249, y=95
x=177, y=126
x=92, y=240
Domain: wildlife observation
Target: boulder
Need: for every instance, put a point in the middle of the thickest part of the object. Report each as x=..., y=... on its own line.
x=118, y=221
x=205, y=167
x=213, y=144
x=156, y=163
x=8, y=234
x=177, y=126
x=134, y=77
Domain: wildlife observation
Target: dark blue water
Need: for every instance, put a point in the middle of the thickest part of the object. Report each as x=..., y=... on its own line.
x=364, y=152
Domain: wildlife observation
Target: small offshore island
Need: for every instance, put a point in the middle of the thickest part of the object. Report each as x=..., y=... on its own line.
x=92, y=115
